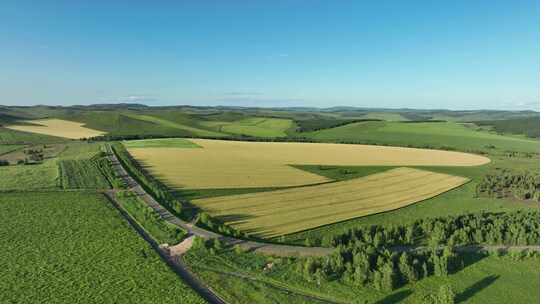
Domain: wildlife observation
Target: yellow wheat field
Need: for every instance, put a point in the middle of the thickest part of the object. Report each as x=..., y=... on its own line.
x=235, y=164
x=58, y=127
x=270, y=214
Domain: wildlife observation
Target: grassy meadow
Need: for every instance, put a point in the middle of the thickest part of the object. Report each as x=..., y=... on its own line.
x=161, y=143
x=253, y=126
x=433, y=134
x=30, y=177
x=74, y=247
x=174, y=125
x=9, y=148
x=275, y=213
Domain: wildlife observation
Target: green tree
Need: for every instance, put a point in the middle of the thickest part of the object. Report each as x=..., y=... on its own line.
x=446, y=295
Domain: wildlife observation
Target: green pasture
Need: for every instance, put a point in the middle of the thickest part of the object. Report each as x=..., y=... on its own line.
x=457, y=136
x=254, y=126
x=160, y=143
x=30, y=177
x=74, y=247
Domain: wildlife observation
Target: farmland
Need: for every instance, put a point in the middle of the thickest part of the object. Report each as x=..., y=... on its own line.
x=232, y=164
x=274, y=213
x=82, y=174
x=161, y=143
x=283, y=191
x=65, y=247
x=58, y=128
x=30, y=177
x=174, y=125
x=255, y=126
x=9, y=136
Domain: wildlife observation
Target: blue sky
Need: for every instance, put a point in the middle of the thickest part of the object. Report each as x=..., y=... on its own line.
x=416, y=54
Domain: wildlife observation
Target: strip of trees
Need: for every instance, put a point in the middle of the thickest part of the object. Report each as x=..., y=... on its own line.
x=511, y=228
x=147, y=181
x=377, y=256
x=361, y=264
x=507, y=183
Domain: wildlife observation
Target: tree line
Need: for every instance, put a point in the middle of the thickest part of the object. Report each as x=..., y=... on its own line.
x=523, y=185
x=147, y=181
x=509, y=228
x=360, y=264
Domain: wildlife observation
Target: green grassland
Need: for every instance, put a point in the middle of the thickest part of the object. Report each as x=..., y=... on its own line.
x=119, y=124
x=30, y=177
x=82, y=174
x=159, y=229
x=80, y=150
x=174, y=125
x=74, y=247
x=70, y=166
x=160, y=143
x=84, y=166
x=386, y=116
x=9, y=148
x=253, y=126
x=426, y=134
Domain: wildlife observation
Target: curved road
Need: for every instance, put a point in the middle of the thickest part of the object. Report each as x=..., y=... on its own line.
x=172, y=255
x=259, y=247
x=174, y=262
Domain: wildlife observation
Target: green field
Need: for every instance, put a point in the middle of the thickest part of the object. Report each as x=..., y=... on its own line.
x=82, y=174
x=75, y=248
x=432, y=134
x=9, y=148
x=254, y=126
x=385, y=116
x=161, y=143
x=159, y=229
x=174, y=125
x=30, y=177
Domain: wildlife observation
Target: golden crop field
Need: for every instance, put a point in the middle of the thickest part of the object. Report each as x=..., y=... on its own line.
x=270, y=214
x=57, y=127
x=236, y=164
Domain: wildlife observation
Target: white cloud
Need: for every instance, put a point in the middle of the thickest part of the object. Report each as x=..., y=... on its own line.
x=134, y=98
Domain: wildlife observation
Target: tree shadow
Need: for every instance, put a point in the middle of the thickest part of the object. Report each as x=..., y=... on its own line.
x=238, y=217
x=475, y=288
x=395, y=297
x=468, y=259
